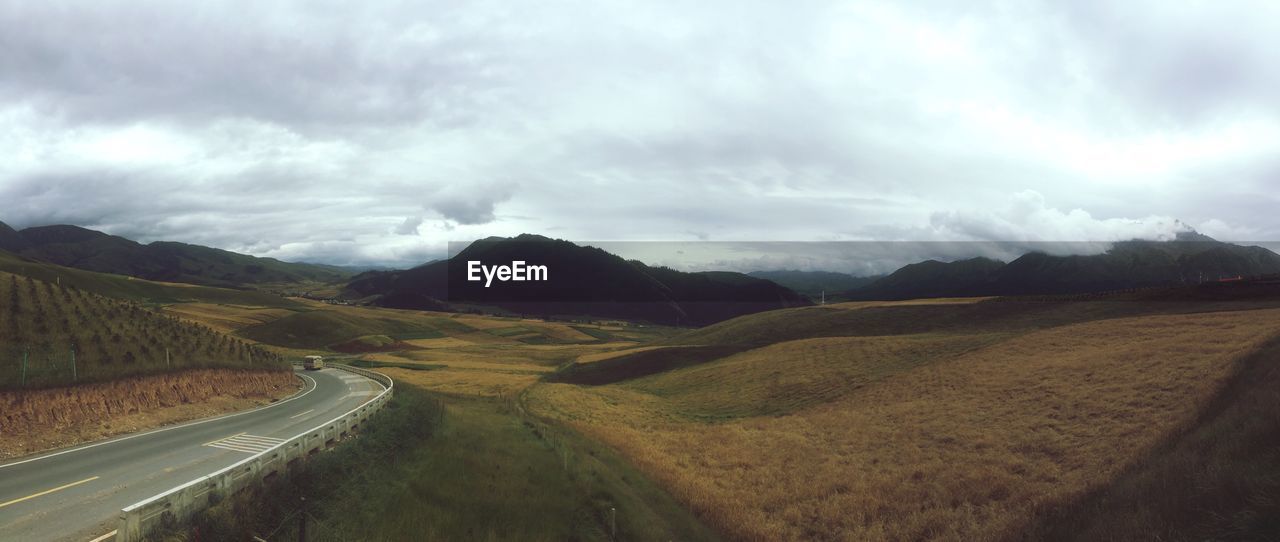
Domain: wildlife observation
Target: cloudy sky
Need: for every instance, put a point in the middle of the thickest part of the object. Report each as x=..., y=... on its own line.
x=375, y=132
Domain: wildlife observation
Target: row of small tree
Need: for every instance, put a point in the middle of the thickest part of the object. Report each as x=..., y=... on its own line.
x=52, y=335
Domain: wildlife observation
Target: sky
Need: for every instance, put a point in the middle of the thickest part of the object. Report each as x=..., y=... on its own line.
x=374, y=133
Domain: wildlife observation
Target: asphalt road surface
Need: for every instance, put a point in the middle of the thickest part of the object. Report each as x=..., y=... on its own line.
x=77, y=493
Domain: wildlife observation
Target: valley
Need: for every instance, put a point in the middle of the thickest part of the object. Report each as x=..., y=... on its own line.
x=978, y=418
x=946, y=418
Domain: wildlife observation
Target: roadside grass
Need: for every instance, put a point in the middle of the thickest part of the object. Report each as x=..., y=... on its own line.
x=467, y=382
x=479, y=472
x=381, y=452
x=960, y=448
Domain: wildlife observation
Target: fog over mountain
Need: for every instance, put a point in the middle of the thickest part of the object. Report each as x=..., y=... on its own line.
x=374, y=133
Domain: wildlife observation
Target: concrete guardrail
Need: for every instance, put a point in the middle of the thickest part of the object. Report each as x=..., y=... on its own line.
x=181, y=502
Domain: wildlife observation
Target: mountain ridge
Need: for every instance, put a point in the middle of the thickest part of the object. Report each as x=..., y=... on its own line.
x=1190, y=258
x=583, y=280
x=169, y=261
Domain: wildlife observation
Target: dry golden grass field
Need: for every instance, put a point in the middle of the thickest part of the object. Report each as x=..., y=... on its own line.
x=226, y=318
x=947, y=419
x=953, y=436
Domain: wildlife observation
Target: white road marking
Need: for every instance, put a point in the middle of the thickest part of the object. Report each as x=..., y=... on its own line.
x=104, y=537
x=301, y=414
x=249, y=444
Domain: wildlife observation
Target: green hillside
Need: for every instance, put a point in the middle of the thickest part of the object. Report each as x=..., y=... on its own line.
x=53, y=334
x=322, y=328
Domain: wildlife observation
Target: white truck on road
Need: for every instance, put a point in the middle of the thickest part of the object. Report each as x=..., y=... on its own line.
x=313, y=363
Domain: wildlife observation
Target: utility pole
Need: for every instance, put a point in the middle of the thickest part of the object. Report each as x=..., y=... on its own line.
x=73, y=364
x=24, y=367
x=824, y=298
x=166, y=359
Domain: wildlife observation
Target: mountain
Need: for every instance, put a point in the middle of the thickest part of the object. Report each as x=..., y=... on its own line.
x=1190, y=258
x=581, y=280
x=814, y=283
x=11, y=240
x=932, y=278
x=81, y=248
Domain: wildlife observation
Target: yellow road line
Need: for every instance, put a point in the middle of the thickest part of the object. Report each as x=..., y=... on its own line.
x=47, y=491
x=301, y=413
x=223, y=438
x=104, y=537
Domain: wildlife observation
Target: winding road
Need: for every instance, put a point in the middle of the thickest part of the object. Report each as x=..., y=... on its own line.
x=77, y=493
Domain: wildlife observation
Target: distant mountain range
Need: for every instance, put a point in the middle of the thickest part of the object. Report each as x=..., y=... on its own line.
x=582, y=280
x=587, y=281
x=81, y=248
x=1189, y=259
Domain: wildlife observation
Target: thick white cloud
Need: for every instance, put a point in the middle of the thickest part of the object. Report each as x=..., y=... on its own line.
x=291, y=131
x=1026, y=218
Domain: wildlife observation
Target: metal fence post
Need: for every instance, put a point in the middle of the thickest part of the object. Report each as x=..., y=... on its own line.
x=73, y=364
x=24, y=367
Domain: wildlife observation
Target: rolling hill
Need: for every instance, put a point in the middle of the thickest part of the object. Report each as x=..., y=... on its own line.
x=82, y=248
x=55, y=334
x=133, y=289
x=583, y=280
x=1189, y=259
x=1126, y=417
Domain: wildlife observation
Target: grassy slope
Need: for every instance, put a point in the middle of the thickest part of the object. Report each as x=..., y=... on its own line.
x=51, y=326
x=122, y=287
x=476, y=473
x=1217, y=479
x=323, y=326
x=1049, y=406
x=974, y=315
x=488, y=472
